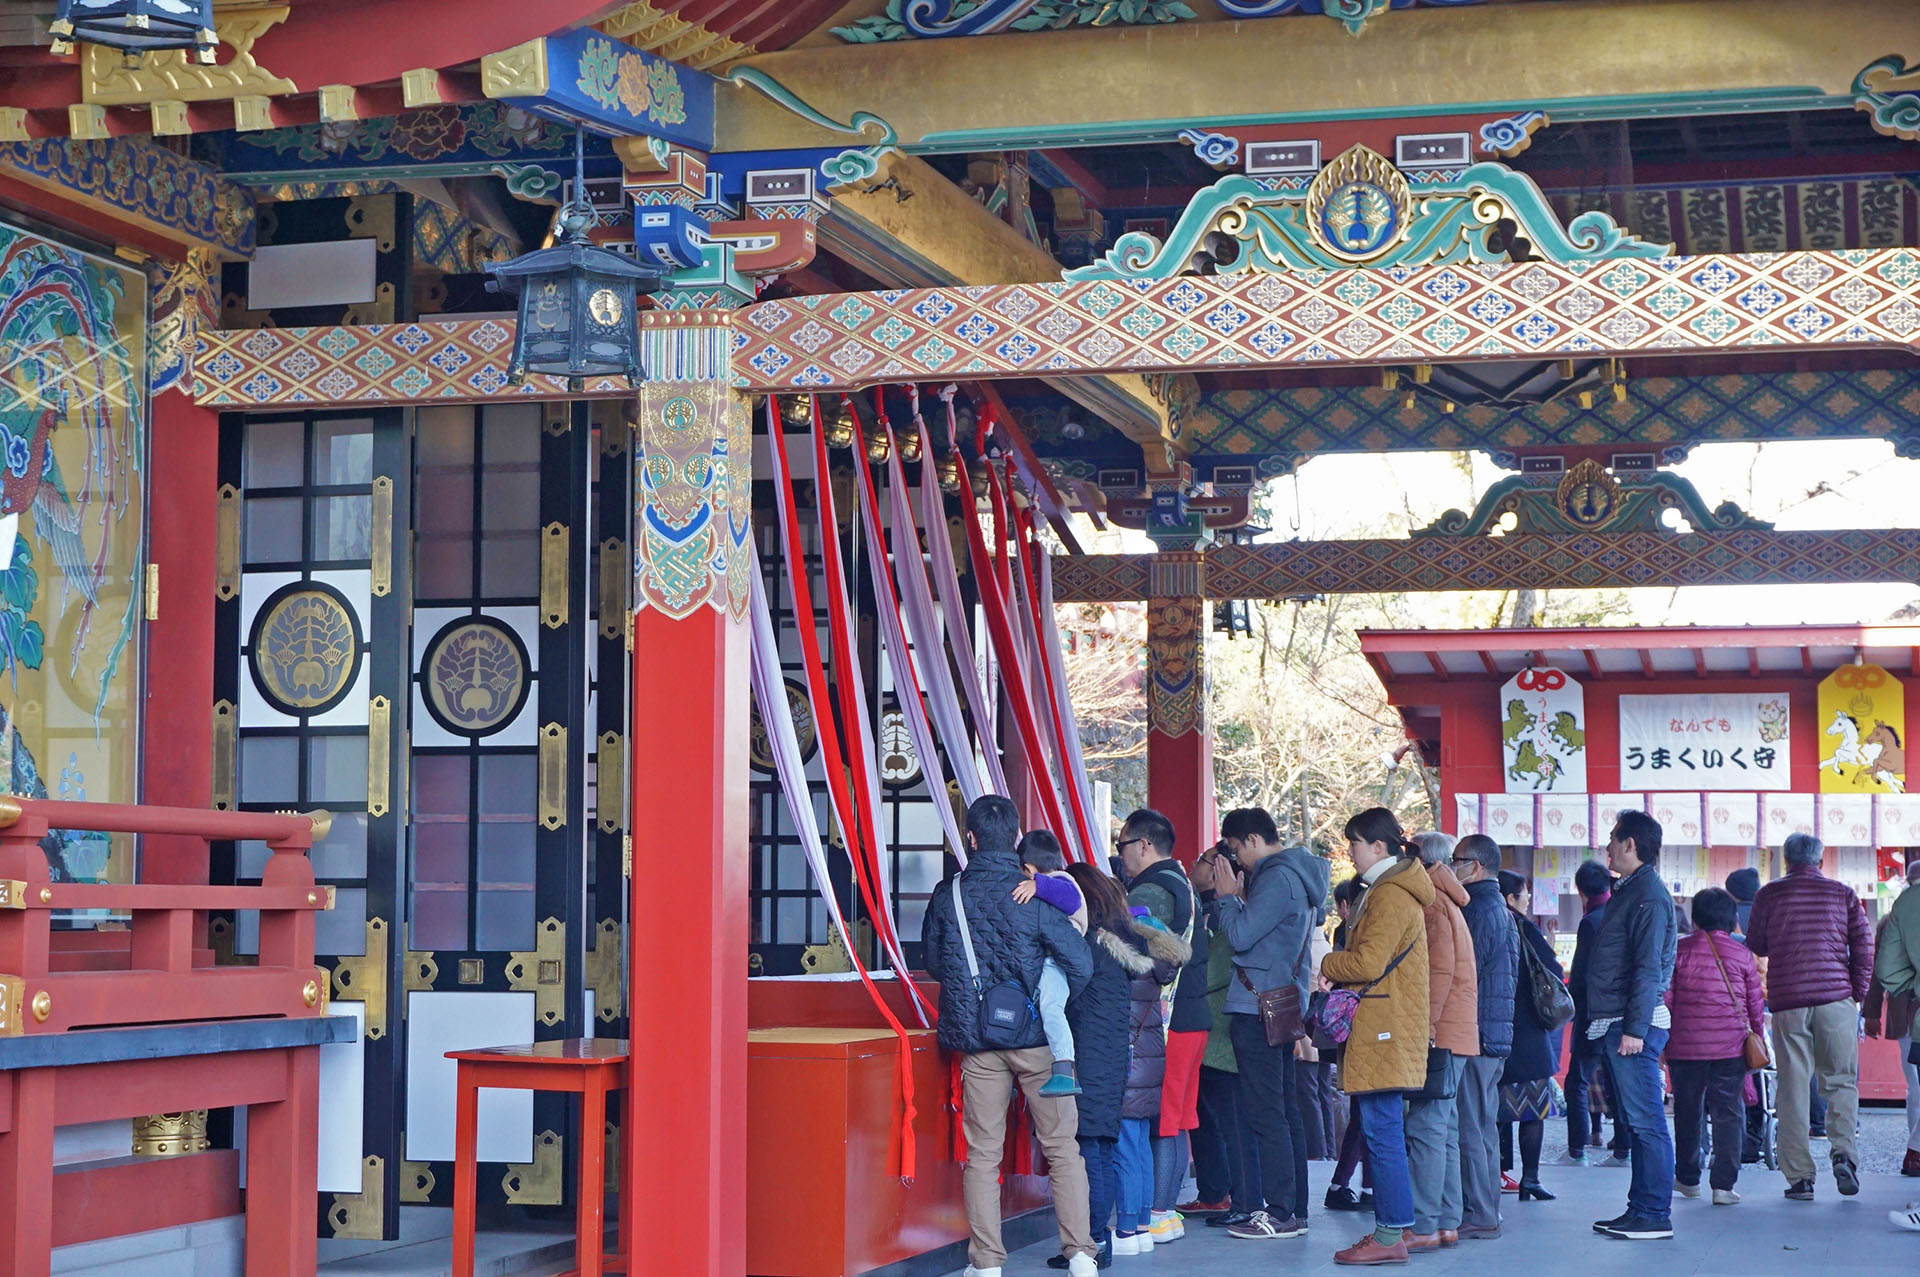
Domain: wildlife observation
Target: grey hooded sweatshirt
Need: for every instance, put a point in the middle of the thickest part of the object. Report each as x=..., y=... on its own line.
x=1268, y=928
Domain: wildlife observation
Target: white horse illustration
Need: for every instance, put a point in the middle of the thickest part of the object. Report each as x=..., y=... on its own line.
x=1850, y=752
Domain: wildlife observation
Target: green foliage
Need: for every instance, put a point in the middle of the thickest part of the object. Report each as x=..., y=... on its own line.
x=22, y=643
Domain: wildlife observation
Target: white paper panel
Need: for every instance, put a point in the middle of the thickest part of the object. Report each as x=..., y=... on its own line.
x=1899, y=820
x=1563, y=821
x=325, y=274
x=1679, y=817
x=1466, y=814
x=1732, y=820
x=1788, y=814
x=1846, y=820
x=343, y=1069
x=442, y=1022
x=1510, y=819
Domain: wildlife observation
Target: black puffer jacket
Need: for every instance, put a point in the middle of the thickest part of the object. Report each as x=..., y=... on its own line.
x=1146, y=1025
x=1012, y=942
x=1100, y=1017
x=1633, y=953
x=1496, y=949
x=1164, y=890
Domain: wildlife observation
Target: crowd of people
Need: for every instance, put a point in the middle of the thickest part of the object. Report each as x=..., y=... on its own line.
x=1158, y=1020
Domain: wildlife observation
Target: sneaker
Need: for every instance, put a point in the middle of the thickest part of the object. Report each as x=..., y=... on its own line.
x=1908, y=1217
x=1508, y=1184
x=1127, y=1243
x=971, y=1271
x=1725, y=1197
x=1817, y=1132
x=1082, y=1266
x=1571, y=1159
x=1094, y=1263
x=1642, y=1228
x=1606, y=1226
x=1340, y=1197
x=1618, y=1159
x=1265, y=1226
x=1847, y=1176
x=1801, y=1190
x=1687, y=1190
x=1167, y=1226
x=1228, y=1218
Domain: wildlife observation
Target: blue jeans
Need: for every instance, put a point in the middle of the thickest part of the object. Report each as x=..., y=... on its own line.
x=1098, y=1154
x=1383, y=1122
x=1133, y=1174
x=1639, y=1100
x=1053, y=1012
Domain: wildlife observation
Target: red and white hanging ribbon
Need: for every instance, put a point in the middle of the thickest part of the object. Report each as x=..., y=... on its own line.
x=776, y=717
x=900, y=658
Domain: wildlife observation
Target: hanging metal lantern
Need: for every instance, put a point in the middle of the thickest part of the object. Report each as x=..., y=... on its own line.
x=136, y=26
x=578, y=317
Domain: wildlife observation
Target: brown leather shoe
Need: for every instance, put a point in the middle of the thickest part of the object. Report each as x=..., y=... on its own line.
x=1449, y=1237
x=1911, y=1166
x=1367, y=1252
x=1480, y=1232
x=1420, y=1241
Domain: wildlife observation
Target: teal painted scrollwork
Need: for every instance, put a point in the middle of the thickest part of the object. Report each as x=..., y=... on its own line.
x=1240, y=225
x=854, y=164
x=1875, y=91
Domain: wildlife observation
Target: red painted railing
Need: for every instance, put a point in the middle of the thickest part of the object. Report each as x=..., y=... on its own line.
x=157, y=970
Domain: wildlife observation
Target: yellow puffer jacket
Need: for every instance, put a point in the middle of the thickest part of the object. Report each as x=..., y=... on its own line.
x=1387, y=1050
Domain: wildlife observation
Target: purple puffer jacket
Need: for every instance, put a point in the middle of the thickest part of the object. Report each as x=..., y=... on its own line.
x=1815, y=937
x=1707, y=1023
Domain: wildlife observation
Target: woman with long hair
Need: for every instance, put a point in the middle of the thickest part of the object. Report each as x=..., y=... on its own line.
x=1098, y=1018
x=1526, y=1084
x=1385, y=962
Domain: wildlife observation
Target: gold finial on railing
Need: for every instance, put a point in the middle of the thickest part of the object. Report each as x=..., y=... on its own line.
x=10, y=811
x=322, y=822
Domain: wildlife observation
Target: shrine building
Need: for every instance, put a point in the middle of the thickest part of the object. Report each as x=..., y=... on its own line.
x=523, y=526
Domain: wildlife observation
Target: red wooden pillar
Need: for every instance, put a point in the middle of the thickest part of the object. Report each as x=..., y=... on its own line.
x=182, y=533
x=684, y=1139
x=1179, y=736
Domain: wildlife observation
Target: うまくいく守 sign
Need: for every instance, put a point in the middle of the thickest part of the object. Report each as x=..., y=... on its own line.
x=1727, y=741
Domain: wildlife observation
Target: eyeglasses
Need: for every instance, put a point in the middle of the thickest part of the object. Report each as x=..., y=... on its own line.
x=1121, y=844
x=1463, y=861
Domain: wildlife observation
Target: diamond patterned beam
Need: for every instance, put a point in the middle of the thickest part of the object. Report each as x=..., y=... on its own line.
x=1422, y=564
x=1814, y=300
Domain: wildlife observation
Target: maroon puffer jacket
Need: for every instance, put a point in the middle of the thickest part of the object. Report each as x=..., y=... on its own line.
x=1816, y=940
x=1708, y=1023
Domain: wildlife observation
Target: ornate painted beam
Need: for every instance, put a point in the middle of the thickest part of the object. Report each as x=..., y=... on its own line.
x=1515, y=561
x=606, y=85
x=1576, y=59
x=132, y=181
x=1359, y=318
x=937, y=236
x=1658, y=413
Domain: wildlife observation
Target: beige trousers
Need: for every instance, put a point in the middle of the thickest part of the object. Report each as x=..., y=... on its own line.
x=1822, y=1043
x=987, y=1081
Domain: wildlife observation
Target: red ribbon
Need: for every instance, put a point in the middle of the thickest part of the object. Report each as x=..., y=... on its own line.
x=829, y=735
x=993, y=602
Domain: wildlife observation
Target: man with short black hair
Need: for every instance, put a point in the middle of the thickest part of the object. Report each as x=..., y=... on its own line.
x=1814, y=933
x=1159, y=884
x=1265, y=898
x=1496, y=956
x=1010, y=940
x=1595, y=886
x=1626, y=984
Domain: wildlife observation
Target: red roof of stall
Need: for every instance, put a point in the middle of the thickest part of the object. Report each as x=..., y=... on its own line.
x=1619, y=651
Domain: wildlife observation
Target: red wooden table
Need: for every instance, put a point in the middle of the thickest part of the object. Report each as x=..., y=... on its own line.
x=588, y=1067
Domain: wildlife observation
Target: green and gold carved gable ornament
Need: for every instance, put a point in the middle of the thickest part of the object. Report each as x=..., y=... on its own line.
x=1362, y=211
x=1889, y=91
x=1587, y=497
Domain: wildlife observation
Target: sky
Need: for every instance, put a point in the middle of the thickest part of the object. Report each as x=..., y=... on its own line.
x=1816, y=484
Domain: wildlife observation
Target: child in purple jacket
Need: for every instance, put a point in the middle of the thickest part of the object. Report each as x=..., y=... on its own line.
x=1047, y=878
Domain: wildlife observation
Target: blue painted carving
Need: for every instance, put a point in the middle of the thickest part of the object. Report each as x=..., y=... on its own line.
x=1507, y=138
x=612, y=87
x=1241, y=224
x=669, y=235
x=1217, y=149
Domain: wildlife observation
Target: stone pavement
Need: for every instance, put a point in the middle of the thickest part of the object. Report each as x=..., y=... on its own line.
x=1764, y=1235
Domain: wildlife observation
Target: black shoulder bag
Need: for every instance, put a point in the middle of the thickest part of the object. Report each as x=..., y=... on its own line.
x=1007, y=1013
